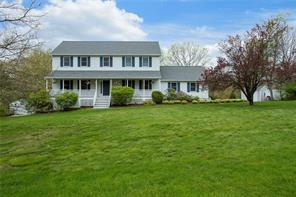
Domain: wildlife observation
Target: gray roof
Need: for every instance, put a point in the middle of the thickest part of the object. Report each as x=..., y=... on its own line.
x=108, y=48
x=58, y=74
x=181, y=73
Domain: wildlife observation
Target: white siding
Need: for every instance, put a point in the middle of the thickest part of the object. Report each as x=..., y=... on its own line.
x=203, y=93
x=262, y=93
x=95, y=64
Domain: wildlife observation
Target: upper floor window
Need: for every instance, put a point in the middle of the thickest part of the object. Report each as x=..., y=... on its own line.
x=128, y=61
x=106, y=61
x=67, y=61
x=84, y=61
x=146, y=61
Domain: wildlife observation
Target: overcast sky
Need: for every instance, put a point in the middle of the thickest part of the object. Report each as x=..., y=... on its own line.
x=167, y=21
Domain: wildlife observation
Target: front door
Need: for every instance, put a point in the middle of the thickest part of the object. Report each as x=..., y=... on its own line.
x=106, y=88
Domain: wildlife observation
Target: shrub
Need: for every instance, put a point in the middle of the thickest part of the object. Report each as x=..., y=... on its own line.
x=183, y=96
x=148, y=102
x=166, y=102
x=40, y=101
x=122, y=95
x=195, y=102
x=290, y=91
x=184, y=102
x=195, y=98
x=177, y=102
x=66, y=100
x=171, y=95
x=157, y=97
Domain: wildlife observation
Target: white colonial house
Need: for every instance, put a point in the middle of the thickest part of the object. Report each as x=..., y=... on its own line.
x=92, y=68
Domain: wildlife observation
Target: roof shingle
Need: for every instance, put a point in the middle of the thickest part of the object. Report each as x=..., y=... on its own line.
x=108, y=48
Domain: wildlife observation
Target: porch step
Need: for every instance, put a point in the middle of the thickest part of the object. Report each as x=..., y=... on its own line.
x=102, y=103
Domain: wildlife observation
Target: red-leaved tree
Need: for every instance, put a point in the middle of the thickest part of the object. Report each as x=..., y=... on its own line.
x=246, y=60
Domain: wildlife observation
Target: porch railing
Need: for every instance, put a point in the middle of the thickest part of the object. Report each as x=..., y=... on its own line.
x=83, y=93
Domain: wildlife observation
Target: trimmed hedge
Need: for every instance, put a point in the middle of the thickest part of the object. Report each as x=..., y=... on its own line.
x=66, y=100
x=121, y=95
x=40, y=101
x=157, y=97
x=148, y=102
x=203, y=101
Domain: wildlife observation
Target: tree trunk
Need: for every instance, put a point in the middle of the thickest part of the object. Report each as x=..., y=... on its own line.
x=270, y=91
x=250, y=100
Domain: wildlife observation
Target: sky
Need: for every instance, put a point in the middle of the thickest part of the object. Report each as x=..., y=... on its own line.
x=206, y=22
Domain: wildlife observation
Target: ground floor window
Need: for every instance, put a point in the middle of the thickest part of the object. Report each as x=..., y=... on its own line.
x=129, y=83
x=85, y=84
x=68, y=84
x=174, y=85
x=147, y=84
x=193, y=87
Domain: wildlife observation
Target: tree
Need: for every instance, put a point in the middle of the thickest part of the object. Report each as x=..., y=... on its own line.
x=275, y=27
x=246, y=62
x=19, y=79
x=185, y=54
x=19, y=27
x=286, y=69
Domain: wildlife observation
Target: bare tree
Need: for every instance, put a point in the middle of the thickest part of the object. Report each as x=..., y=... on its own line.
x=186, y=54
x=19, y=26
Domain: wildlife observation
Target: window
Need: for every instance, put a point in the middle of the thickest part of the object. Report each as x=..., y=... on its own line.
x=129, y=83
x=106, y=61
x=83, y=61
x=192, y=86
x=147, y=85
x=85, y=84
x=145, y=61
x=67, y=61
x=68, y=84
x=174, y=85
x=128, y=61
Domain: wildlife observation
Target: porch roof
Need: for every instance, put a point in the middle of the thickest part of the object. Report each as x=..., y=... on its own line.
x=59, y=74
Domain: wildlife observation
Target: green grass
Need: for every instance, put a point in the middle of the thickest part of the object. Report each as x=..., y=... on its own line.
x=166, y=150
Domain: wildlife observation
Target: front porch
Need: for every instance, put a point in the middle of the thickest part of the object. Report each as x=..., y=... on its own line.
x=92, y=91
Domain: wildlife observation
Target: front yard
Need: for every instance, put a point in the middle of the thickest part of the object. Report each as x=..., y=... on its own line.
x=164, y=150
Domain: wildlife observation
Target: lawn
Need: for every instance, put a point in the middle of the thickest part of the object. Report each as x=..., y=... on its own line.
x=165, y=150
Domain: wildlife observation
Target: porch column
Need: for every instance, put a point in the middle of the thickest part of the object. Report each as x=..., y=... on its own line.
x=63, y=85
x=110, y=90
x=79, y=92
x=143, y=88
x=126, y=84
x=96, y=91
x=159, y=87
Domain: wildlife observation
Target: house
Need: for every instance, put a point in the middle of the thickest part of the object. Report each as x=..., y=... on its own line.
x=92, y=68
x=263, y=94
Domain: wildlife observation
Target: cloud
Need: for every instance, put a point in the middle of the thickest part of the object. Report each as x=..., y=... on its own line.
x=88, y=20
x=169, y=33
